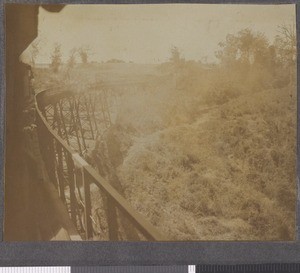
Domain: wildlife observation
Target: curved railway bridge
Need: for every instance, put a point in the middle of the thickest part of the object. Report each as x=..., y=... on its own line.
x=70, y=127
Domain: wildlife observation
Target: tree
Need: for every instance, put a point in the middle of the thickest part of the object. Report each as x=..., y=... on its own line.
x=285, y=44
x=175, y=55
x=247, y=48
x=177, y=65
x=56, y=58
x=248, y=58
x=84, y=53
x=71, y=62
x=229, y=50
x=72, y=59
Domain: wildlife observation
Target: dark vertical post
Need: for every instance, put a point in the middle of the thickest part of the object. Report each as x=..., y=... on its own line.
x=87, y=206
x=58, y=120
x=112, y=220
x=42, y=131
x=51, y=158
x=73, y=200
x=60, y=172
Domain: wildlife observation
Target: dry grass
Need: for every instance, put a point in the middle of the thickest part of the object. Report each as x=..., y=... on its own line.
x=210, y=158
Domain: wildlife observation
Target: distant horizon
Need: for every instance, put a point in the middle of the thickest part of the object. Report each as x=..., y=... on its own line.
x=123, y=62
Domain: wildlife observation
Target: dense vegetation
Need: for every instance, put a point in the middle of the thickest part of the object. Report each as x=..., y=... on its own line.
x=209, y=150
x=215, y=154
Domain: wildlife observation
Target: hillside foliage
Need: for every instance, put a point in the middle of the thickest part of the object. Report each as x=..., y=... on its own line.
x=209, y=150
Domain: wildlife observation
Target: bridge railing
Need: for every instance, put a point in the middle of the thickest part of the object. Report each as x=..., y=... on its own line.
x=74, y=177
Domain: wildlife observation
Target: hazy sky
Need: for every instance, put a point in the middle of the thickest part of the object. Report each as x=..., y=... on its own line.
x=145, y=33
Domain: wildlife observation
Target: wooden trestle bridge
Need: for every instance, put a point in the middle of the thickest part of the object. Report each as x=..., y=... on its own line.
x=69, y=124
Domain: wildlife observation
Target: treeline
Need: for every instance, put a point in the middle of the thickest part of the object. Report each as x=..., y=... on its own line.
x=56, y=57
x=249, y=57
x=250, y=52
x=247, y=62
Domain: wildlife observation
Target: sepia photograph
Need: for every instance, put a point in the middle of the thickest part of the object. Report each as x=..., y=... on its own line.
x=150, y=122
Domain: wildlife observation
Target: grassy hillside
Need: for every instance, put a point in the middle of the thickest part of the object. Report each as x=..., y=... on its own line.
x=227, y=175
x=207, y=155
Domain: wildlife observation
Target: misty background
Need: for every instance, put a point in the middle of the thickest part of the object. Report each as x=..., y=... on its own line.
x=203, y=106
x=145, y=33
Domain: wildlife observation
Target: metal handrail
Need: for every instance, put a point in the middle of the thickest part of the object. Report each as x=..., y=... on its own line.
x=91, y=176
